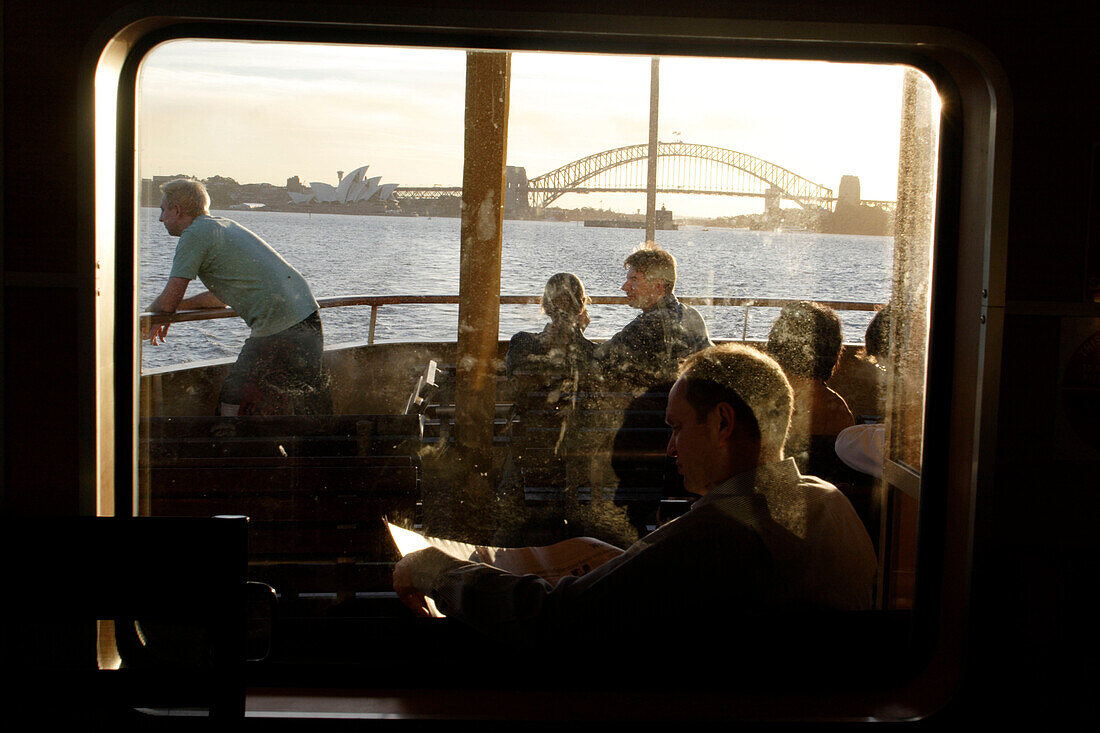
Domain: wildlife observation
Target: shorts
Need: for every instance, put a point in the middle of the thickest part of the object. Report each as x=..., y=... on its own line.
x=281, y=374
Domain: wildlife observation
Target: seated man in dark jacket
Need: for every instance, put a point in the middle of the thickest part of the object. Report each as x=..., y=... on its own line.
x=648, y=349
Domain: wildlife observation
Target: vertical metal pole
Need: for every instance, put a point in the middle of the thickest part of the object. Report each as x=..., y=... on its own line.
x=487, y=82
x=651, y=178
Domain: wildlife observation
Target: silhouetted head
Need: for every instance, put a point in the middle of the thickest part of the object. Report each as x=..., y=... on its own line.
x=650, y=276
x=729, y=411
x=877, y=337
x=564, y=298
x=806, y=340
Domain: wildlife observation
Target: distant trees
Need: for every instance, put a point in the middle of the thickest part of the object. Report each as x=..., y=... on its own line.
x=219, y=181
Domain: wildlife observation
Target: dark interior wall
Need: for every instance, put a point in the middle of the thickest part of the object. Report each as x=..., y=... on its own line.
x=1036, y=525
x=42, y=49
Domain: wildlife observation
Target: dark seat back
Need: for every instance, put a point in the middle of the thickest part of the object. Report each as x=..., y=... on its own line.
x=62, y=575
x=603, y=445
x=316, y=523
x=273, y=436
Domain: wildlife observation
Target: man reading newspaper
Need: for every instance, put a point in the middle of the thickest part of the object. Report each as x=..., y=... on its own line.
x=761, y=537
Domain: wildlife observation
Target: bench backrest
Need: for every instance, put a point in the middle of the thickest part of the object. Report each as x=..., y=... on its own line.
x=165, y=438
x=62, y=575
x=316, y=524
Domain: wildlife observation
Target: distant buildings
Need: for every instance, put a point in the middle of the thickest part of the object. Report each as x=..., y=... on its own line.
x=353, y=188
x=225, y=193
x=353, y=194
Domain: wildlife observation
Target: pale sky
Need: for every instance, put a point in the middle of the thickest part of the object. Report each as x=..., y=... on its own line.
x=263, y=112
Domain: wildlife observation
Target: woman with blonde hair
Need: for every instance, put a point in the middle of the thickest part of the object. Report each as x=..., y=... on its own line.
x=551, y=376
x=560, y=349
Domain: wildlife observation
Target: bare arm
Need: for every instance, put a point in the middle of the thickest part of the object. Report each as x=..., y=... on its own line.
x=205, y=299
x=170, y=300
x=167, y=302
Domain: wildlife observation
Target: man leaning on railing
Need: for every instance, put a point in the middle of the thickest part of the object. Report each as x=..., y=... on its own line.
x=280, y=369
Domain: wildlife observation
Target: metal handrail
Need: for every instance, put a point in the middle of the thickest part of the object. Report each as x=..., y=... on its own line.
x=378, y=301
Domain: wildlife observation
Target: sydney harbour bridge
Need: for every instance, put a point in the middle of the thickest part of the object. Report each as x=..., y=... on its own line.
x=683, y=168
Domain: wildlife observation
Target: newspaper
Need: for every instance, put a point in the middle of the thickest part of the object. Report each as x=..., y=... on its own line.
x=574, y=556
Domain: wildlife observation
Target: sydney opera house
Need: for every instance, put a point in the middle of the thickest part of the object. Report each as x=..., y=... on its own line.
x=353, y=187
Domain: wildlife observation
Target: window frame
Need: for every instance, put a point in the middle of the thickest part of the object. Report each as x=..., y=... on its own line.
x=967, y=297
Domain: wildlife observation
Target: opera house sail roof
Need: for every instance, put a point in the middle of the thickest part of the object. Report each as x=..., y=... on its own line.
x=353, y=187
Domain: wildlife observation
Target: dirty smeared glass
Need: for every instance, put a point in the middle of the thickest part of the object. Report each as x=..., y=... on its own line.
x=783, y=189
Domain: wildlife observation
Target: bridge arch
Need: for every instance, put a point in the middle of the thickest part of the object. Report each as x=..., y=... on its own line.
x=545, y=189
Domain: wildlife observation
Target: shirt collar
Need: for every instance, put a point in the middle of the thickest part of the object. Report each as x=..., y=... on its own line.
x=747, y=481
x=666, y=301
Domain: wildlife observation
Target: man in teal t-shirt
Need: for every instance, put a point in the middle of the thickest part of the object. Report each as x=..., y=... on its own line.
x=280, y=368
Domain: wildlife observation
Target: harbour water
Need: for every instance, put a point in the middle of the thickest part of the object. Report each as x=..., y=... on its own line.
x=391, y=255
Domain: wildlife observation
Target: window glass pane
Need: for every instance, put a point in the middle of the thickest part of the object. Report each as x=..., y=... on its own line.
x=777, y=182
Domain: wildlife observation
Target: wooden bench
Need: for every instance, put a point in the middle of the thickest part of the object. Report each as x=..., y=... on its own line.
x=316, y=525
x=167, y=438
x=613, y=447
x=433, y=396
x=603, y=445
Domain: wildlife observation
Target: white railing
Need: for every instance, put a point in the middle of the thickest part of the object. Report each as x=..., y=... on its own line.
x=377, y=302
